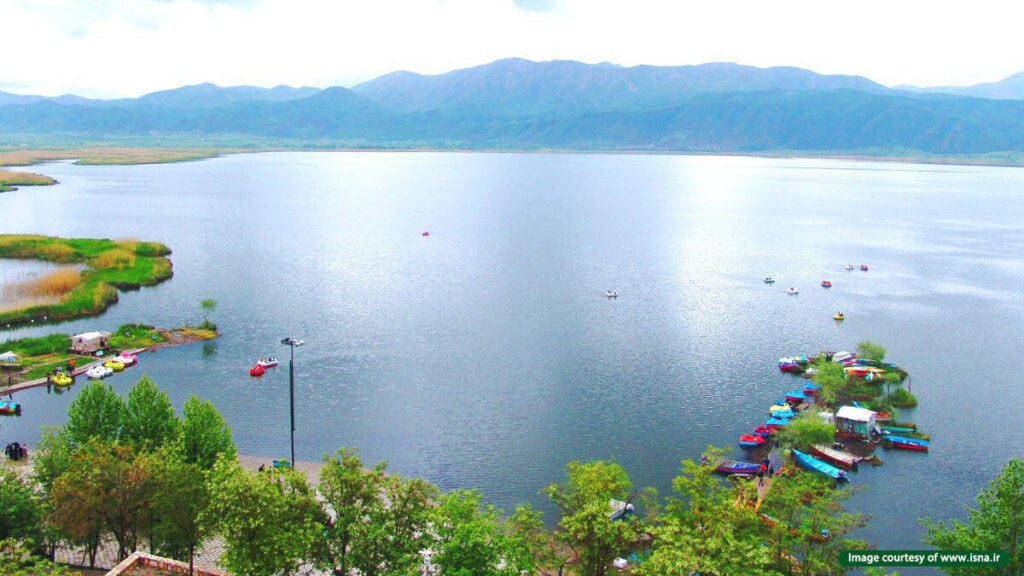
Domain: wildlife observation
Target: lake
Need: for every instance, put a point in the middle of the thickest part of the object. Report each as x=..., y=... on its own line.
x=486, y=355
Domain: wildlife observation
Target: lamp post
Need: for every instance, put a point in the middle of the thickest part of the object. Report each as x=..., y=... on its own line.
x=292, y=342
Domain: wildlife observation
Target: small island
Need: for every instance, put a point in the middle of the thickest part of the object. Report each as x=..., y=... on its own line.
x=99, y=268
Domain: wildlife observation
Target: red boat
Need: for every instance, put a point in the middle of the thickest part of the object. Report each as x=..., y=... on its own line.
x=826, y=284
x=425, y=234
x=765, y=430
x=864, y=267
x=833, y=456
x=257, y=370
x=751, y=440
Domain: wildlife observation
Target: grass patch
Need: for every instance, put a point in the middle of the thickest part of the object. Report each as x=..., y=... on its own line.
x=131, y=336
x=11, y=180
x=902, y=398
x=110, y=265
x=107, y=156
x=196, y=333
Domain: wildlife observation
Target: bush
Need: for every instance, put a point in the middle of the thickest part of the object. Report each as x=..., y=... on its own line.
x=40, y=346
x=901, y=398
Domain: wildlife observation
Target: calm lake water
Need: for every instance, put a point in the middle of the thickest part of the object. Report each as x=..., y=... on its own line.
x=486, y=354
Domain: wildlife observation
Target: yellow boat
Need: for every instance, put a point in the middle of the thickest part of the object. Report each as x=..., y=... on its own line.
x=61, y=380
x=114, y=365
x=838, y=316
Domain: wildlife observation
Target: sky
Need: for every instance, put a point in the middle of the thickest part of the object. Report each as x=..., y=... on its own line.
x=126, y=48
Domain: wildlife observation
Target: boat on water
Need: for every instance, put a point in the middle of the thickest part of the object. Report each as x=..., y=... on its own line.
x=811, y=389
x=730, y=467
x=268, y=362
x=786, y=412
x=864, y=267
x=10, y=408
x=776, y=422
x=257, y=370
x=826, y=284
x=815, y=465
x=792, y=290
x=99, y=371
x=764, y=430
x=779, y=406
x=769, y=280
x=795, y=396
x=839, y=316
x=126, y=359
x=425, y=234
x=114, y=365
x=611, y=293
x=849, y=267
x=787, y=364
x=897, y=430
x=904, y=443
x=835, y=457
x=61, y=380
x=751, y=440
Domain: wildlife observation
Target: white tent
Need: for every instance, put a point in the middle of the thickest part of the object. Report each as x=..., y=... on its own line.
x=8, y=357
x=853, y=420
x=89, y=342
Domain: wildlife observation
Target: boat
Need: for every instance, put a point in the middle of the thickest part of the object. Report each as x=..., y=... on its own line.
x=114, y=365
x=764, y=430
x=787, y=364
x=61, y=380
x=815, y=465
x=905, y=443
x=800, y=359
x=864, y=267
x=425, y=234
x=897, y=430
x=269, y=362
x=835, y=457
x=730, y=467
x=99, y=371
x=769, y=280
x=776, y=422
x=811, y=389
x=611, y=293
x=10, y=408
x=779, y=406
x=795, y=396
x=849, y=267
x=838, y=316
x=792, y=290
x=257, y=370
x=126, y=359
x=826, y=284
x=783, y=414
x=751, y=440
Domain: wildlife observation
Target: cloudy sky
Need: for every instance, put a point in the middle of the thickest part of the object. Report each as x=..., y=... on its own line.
x=114, y=48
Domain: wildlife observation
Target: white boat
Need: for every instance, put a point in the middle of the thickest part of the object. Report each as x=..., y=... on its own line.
x=267, y=362
x=792, y=290
x=612, y=293
x=849, y=267
x=769, y=280
x=98, y=371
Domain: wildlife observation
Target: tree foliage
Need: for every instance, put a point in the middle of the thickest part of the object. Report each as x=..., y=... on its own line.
x=871, y=351
x=468, y=541
x=149, y=419
x=996, y=524
x=586, y=526
x=386, y=542
x=180, y=496
x=19, y=507
x=832, y=379
x=352, y=493
x=18, y=559
x=270, y=519
x=204, y=433
x=96, y=414
x=806, y=429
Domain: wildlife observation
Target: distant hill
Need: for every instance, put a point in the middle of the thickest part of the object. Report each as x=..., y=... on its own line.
x=518, y=104
x=516, y=87
x=1011, y=88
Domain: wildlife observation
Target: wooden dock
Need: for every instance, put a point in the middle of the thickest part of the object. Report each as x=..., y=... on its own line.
x=78, y=371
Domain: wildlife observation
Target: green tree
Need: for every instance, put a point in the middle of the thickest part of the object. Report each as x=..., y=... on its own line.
x=149, y=419
x=467, y=539
x=19, y=507
x=269, y=519
x=704, y=530
x=387, y=541
x=97, y=413
x=208, y=305
x=806, y=429
x=528, y=546
x=352, y=493
x=17, y=559
x=832, y=379
x=996, y=524
x=180, y=497
x=205, y=435
x=871, y=351
x=51, y=459
x=586, y=526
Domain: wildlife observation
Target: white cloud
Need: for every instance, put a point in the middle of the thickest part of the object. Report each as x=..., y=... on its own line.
x=113, y=48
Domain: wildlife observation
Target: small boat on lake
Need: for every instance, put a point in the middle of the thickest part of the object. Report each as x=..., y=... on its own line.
x=425, y=234
x=114, y=365
x=826, y=284
x=611, y=293
x=99, y=371
x=795, y=396
x=10, y=408
x=269, y=362
x=257, y=370
x=849, y=267
x=126, y=359
x=786, y=412
x=815, y=465
x=730, y=467
x=791, y=290
x=776, y=422
x=811, y=389
x=769, y=280
x=864, y=267
x=834, y=456
x=751, y=440
x=787, y=364
x=779, y=406
x=839, y=316
x=764, y=430
x=904, y=443
x=60, y=379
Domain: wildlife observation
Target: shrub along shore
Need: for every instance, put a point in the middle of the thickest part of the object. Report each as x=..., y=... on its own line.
x=109, y=266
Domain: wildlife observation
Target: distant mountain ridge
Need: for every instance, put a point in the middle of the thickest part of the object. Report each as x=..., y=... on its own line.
x=518, y=104
x=1011, y=88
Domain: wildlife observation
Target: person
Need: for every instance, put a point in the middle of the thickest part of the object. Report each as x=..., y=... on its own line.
x=71, y=364
x=760, y=477
x=771, y=470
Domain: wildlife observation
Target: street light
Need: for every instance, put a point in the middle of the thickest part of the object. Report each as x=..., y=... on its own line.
x=292, y=342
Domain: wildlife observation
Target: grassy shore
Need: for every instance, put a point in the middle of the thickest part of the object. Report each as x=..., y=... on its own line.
x=11, y=180
x=109, y=265
x=108, y=156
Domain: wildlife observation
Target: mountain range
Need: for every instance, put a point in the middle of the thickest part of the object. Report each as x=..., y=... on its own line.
x=520, y=104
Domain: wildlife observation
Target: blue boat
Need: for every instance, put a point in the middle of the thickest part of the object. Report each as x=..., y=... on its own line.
x=785, y=414
x=795, y=396
x=776, y=422
x=815, y=465
x=730, y=467
x=907, y=443
x=811, y=388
